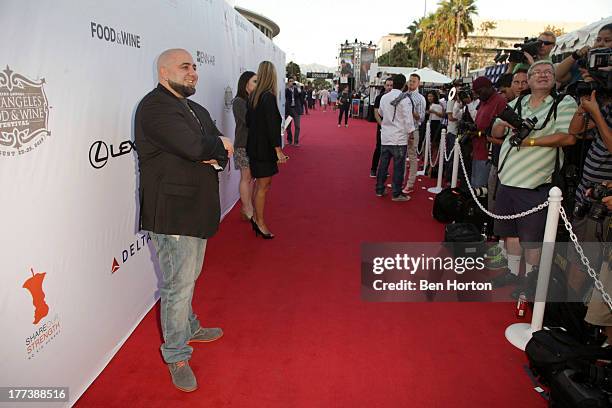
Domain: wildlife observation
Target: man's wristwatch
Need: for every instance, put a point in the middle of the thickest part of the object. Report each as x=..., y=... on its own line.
x=532, y=141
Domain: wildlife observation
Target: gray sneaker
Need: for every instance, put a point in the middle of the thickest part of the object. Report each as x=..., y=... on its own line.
x=206, y=335
x=182, y=376
x=401, y=197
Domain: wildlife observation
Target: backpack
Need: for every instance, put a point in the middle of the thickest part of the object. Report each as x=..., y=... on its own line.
x=448, y=204
x=464, y=240
x=550, y=351
x=572, y=389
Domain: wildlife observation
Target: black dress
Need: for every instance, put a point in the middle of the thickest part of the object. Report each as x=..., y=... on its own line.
x=264, y=124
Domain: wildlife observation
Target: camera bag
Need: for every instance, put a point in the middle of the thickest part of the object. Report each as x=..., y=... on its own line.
x=571, y=389
x=464, y=240
x=552, y=350
x=449, y=204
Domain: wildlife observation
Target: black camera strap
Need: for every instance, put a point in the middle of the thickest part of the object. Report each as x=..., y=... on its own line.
x=551, y=112
x=518, y=107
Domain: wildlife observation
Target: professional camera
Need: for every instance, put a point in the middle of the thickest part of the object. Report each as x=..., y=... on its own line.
x=522, y=127
x=593, y=206
x=465, y=92
x=599, y=64
x=466, y=124
x=530, y=45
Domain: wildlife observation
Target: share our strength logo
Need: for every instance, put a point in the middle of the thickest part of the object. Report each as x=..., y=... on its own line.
x=46, y=329
x=24, y=113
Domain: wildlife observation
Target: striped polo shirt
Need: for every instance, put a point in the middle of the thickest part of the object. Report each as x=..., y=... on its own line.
x=530, y=167
x=598, y=163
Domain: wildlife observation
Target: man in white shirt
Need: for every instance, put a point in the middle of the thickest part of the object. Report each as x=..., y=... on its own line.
x=396, y=126
x=418, y=114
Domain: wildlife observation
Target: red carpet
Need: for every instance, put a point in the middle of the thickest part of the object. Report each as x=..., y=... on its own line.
x=296, y=331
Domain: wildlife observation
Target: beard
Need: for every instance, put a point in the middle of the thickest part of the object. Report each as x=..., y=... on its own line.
x=183, y=90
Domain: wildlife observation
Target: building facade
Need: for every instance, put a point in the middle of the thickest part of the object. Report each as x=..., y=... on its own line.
x=263, y=24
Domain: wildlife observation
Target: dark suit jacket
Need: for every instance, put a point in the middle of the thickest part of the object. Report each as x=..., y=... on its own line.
x=178, y=194
x=293, y=110
x=264, y=124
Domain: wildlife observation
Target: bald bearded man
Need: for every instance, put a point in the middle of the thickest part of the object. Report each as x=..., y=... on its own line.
x=179, y=152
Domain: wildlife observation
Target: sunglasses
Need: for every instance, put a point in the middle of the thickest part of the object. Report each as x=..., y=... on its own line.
x=544, y=42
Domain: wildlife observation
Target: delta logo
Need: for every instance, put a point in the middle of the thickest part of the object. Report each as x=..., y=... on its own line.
x=128, y=252
x=46, y=330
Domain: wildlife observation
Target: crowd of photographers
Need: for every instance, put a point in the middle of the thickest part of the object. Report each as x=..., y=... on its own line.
x=543, y=125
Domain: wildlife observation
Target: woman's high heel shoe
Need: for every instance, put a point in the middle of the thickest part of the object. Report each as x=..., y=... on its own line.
x=245, y=216
x=258, y=231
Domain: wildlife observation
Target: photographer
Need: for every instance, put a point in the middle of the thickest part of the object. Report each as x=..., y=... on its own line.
x=466, y=114
x=598, y=312
x=518, y=86
x=491, y=104
x=592, y=120
x=572, y=68
x=525, y=172
x=533, y=50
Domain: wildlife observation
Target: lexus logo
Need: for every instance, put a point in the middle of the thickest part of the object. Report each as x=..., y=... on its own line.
x=99, y=152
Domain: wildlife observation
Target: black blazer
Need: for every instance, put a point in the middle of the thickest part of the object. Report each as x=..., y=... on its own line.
x=178, y=194
x=264, y=124
x=293, y=110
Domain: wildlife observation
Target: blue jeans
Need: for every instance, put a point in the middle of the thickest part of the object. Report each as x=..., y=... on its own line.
x=398, y=153
x=480, y=173
x=180, y=260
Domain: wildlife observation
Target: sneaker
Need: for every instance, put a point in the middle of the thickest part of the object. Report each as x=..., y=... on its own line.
x=528, y=285
x=498, y=262
x=296, y=145
x=338, y=125
x=345, y=125
x=495, y=258
x=505, y=279
x=206, y=335
x=373, y=174
x=408, y=190
x=182, y=376
x=389, y=185
x=382, y=194
x=401, y=197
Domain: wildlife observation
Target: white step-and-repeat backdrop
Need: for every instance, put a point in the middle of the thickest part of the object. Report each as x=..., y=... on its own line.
x=76, y=274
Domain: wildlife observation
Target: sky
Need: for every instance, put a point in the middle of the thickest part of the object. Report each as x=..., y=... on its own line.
x=311, y=31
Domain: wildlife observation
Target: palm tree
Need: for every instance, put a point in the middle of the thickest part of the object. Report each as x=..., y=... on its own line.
x=413, y=40
x=455, y=20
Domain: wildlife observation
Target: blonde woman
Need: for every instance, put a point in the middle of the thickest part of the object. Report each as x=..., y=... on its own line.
x=264, y=141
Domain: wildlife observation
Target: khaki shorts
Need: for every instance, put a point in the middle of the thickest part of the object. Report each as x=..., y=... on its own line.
x=598, y=312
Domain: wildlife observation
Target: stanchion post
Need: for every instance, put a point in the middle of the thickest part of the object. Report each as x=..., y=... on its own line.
x=427, y=147
x=520, y=333
x=456, y=149
x=441, y=154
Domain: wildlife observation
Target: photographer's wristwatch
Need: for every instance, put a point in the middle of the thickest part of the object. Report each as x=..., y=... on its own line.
x=532, y=141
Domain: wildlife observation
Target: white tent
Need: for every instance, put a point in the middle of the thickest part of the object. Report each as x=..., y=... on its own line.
x=577, y=39
x=387, y=72
x=430, y=76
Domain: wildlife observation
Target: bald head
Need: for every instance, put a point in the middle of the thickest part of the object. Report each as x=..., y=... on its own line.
x=177, y=72
x=169, y=57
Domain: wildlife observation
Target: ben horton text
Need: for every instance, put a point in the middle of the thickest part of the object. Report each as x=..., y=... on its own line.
x=412, y=264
